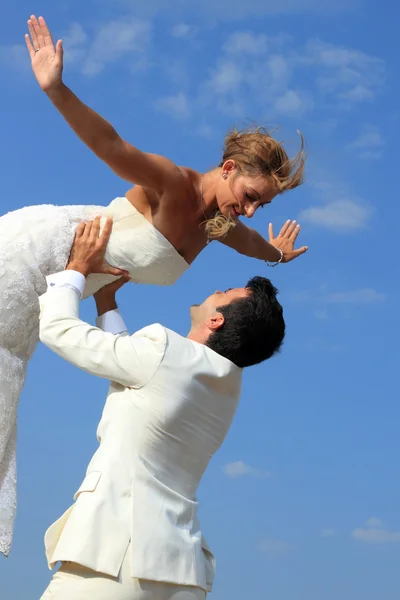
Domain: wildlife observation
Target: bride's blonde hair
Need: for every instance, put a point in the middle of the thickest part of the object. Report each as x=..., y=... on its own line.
x=255, y=152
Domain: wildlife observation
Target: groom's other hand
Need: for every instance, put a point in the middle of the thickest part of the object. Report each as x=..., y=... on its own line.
x=89, y=248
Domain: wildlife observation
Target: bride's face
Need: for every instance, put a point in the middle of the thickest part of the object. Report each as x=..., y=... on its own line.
x=239, y=194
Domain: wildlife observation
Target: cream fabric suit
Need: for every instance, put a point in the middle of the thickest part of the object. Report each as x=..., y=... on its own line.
x=169, y=408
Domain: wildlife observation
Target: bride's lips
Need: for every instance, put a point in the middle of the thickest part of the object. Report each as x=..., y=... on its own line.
x=235, y=212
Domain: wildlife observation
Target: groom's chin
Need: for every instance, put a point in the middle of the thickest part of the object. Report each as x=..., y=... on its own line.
x=193, y=311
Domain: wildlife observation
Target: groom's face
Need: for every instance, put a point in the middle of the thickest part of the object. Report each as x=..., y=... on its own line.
x=208, y=310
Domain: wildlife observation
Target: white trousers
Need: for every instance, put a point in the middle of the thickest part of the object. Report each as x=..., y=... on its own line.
x=74, y=582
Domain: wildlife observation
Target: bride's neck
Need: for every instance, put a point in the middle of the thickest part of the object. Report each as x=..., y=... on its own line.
x=210, y=181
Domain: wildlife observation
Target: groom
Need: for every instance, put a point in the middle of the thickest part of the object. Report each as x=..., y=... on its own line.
x=133, y=531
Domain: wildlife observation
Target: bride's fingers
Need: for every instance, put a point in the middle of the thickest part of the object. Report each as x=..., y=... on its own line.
x=295, y=233
x=48, y=40
x=291, y=229
x=108, y=270
x=284, y=228
x=33, y=35
x=116, y=285
x=31, y=49
x=38, y=31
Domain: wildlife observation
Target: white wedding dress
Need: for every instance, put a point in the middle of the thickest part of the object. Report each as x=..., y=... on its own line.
x=35, y=242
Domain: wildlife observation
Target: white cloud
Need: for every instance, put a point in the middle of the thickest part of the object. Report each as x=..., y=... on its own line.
x=237, y=9
x=353, y=76
x=357, y=297
x=255, y=61
x=279, y=69
x=177, y=72
x=273, y=547
x=375, y=532
x=123, y=38
x=374, y=522
x=376, y=536
x=177, y=106
x=358, y=93
x=126, y=39
x=252, y=68
x=75, y=43
x=16, y=58
x=269, y=75
x=369, y=144
x=325, y=302
x=206, y=131
x=328, y=532
x=321, y=314
x=344, y=215
x=276, y=77
x=182, y=30
x=246, y=42
x=319, y=344
x=226, y=78
x=338, y=209
x=325, y=297
x=240, y=469
x=293, y=103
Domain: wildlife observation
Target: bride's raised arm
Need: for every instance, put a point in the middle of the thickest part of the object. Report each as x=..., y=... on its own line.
x=128, y=162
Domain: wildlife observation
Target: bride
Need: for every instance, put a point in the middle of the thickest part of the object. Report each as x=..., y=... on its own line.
x=159, y=228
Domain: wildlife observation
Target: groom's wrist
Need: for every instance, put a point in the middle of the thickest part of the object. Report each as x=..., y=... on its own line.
x=78, y=266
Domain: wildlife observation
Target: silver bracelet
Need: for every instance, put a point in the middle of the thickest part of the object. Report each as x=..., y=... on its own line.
x=269, y=264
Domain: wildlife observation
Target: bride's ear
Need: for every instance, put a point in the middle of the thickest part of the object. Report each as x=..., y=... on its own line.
x=228, y=168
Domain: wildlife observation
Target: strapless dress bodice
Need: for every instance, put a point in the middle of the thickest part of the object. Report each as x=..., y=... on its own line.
x=137, y=246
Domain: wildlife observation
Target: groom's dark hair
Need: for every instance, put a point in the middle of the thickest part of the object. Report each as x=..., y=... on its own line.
x=254, y=326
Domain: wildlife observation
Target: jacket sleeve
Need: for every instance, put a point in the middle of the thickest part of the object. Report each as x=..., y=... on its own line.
x=128, y=360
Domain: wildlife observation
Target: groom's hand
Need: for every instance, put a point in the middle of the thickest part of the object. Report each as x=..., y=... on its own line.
x=89, y=248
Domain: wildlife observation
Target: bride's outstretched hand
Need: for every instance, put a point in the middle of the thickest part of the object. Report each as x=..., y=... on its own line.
x=46, y=58
x=286, y=239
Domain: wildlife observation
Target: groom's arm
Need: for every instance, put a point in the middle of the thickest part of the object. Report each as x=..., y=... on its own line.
x=112, y=322
x=109, y=318
x=128, y=360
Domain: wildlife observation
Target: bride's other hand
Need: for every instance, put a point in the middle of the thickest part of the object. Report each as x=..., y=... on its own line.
x=105, y=297
x=286, y=239
x=109, y=291
x=46, y=58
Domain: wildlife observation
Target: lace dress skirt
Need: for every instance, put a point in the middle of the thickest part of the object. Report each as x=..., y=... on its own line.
x=34, y=242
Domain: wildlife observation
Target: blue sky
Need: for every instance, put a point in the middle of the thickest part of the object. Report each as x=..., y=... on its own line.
x=302, y=501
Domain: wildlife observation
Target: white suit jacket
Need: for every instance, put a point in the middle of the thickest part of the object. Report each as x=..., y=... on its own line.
x=170, y=404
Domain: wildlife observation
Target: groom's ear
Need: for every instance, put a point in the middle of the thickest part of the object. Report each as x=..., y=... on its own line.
x=216, y=321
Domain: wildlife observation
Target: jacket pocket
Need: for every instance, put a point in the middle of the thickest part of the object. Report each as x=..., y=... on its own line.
x=89, y=484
